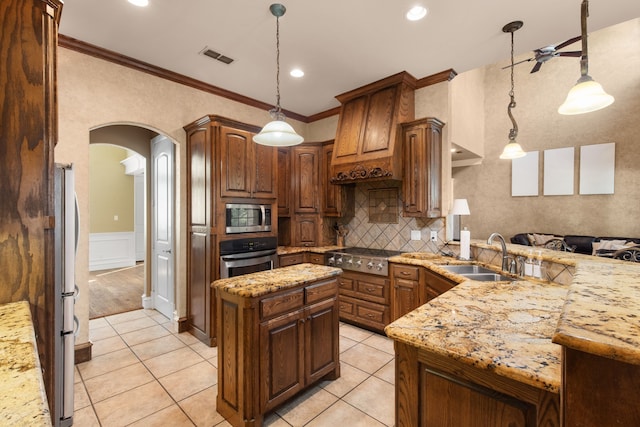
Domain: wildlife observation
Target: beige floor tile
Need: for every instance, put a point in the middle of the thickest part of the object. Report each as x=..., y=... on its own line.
x=375, y=398
x=76, y=375
x=201, y=407
x=171, y=416
x=306, y=406
x=171, y=362
x=157, y=347
x=80, y=396
x=85, y=417
x=134, y=325
x=102, y=333
x=100, y=322
x=204, y=350
x=380, y=342
x=354, y=332
x=187, y=338
x=126, y=317
x=350, y=377
x=118, y=381
x=346, y=343
x=107, y=345
x=143, y=335
x=158, y=317
x=343, y=414
x=387, y=372
x=133, y=405
x=106, y=363
x=366, y=358
x=273, y=420
x=224, y=424
x=191, y=380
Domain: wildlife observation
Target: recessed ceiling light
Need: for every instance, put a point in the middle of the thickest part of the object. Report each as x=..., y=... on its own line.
x=297, y=72
x=139, y=3
x=416, y=13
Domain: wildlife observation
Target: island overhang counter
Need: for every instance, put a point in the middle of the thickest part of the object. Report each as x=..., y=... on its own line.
x=277, y=335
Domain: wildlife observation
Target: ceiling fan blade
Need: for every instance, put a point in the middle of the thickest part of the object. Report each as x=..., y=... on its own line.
x=519, y=62
x=568, y=42
x=536, y=67
x=576, y=53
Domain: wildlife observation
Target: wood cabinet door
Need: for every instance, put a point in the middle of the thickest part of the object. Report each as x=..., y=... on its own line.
x=436, y=284
x=281, y=359
x=331, y=193
x=414, y=171
x=264, y=172
x=199, y=208
x=350, y=126
x=377, y=140
x=405, y=297
x=321, y=339
x=234, y=162
x=284, y=182
x=306, y=170
x=306, y=230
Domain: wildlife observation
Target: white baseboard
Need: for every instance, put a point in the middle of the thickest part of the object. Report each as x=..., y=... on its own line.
x=111, y=250
x=147, y=302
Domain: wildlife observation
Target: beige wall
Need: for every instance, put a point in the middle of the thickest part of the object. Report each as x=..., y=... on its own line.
x=614, y=61
x=111, y=191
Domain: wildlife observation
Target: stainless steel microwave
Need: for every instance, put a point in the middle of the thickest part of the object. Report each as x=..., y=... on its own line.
x=247, y=218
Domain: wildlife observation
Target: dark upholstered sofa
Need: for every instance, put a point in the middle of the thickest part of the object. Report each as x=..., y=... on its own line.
x=583, y=244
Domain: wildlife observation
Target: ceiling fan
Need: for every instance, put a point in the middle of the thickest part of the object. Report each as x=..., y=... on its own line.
x=546, y=53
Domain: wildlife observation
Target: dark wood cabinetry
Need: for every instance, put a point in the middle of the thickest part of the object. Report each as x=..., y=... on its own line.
x=422, y=178
x=434, y=390
x=284, y=182
x=306, y=182
x=337, y=200
x=290, y=259
x=366, y=144
x=29, y=132
x=273, y=346
x=436, y=284
x=223, y=165
x=408, y=289
x=365, y=300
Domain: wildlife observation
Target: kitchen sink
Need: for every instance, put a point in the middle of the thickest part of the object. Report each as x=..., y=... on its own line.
x=466, y=269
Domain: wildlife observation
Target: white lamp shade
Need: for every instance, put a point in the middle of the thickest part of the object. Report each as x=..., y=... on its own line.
x=512, y=150
x=278, y=134
x=460, y=207
x=586, y=96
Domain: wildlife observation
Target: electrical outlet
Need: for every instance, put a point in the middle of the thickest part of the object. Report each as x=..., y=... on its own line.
x=434, y=236
x=416, y=235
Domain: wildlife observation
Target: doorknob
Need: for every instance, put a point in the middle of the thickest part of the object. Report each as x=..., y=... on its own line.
x=168, y=251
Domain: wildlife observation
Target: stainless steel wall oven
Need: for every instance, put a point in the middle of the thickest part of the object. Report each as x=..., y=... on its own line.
x=250, y=255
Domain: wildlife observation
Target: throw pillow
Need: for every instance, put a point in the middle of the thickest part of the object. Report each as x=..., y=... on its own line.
x=540, y=239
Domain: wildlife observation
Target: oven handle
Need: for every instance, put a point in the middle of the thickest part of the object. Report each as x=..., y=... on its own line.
x=248, y=255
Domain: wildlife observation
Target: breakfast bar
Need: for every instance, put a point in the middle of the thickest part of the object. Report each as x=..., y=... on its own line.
x=277, y=335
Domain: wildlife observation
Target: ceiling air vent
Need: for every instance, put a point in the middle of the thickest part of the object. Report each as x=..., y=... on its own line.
x=215, y=55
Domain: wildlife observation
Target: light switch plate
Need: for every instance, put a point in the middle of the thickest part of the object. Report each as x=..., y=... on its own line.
x=416, y=235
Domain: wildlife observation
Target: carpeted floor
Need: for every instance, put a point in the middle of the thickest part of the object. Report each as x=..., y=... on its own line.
x=115, y=291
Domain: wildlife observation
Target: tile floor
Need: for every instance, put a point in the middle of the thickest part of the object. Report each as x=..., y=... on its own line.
x=144, y=374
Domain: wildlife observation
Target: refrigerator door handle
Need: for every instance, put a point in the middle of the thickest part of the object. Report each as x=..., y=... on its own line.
x=76, y=326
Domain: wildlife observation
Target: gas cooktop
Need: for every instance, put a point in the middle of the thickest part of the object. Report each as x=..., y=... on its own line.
x=366, y=260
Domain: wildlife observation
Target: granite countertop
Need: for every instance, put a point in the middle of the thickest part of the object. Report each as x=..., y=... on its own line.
x=504, y=327
x=287, y=250
x=264, y=282
x=601, y=314
x=22, y=396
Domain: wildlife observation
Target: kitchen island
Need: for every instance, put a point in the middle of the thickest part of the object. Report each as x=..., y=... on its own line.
x=487, y=353
x=277, y=335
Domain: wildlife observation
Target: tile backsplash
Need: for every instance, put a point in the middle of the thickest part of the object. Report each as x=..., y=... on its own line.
x=392, y=235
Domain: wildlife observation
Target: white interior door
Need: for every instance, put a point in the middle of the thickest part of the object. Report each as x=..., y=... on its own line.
x=162, y=259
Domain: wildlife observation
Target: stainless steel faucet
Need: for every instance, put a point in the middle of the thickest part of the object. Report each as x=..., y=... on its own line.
x=508, y=263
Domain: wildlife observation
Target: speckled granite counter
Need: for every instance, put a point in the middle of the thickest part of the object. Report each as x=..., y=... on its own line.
x=22, y=397
x=601, y=314
x=287, y=250
x=264, y=282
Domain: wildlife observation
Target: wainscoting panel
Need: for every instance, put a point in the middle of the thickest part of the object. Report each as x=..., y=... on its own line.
x=111, y=250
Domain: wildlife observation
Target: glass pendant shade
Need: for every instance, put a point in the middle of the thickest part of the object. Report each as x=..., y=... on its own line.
x=586, y=96
x=512, y=150
x=278, y=134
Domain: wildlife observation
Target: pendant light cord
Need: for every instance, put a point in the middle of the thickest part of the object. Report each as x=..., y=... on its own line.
x=513, y=133
x=278, y=109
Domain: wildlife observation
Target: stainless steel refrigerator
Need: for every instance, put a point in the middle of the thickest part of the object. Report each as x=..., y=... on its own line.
x=66, y=323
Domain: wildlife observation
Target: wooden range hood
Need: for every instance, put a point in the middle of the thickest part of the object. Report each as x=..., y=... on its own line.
x=367, y=144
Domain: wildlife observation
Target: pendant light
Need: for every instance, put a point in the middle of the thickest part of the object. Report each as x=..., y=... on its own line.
x=587, y=95
x=512, y=150
x=277, y=133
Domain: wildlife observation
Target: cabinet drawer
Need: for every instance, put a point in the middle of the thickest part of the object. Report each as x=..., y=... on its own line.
x=315, y=258
x=321, y=291
x=371, y=314
x=405, y=271
x=345, y=283
x=293, y=259
x=364, y=313
x=346, y=307
x=279, y=304
x=372, y=291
